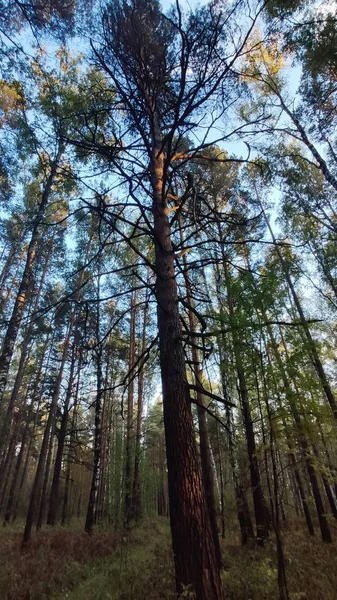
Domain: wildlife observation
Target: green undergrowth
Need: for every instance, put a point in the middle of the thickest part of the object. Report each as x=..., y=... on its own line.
x=250, y=573
x=141, y=567
x=62, y=563
x=54, y=559
x=70, y=565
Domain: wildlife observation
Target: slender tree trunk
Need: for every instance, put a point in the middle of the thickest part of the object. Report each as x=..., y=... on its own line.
x=222, y=490
x=326, y=485
x=291, y=451
x=54, y=490
x=260, y=509
x=65, y=506
x=128, y=516
x=44, y=494
x=38, y=480
x=162, y=488
x=25, y=285
x=7, y=467
x=19, y=460
x=275, y=504
x=312, y=349
x=136, y=494
x=6, y=269
x=244, y=518
x=291, y=396
x=5, y=429
x=92, y=503
x=101, y=495
x=321, y=163
x=90, y=518
x=31, y=435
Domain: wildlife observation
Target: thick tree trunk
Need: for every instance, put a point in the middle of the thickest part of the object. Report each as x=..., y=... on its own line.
x=192, y=540
x=205, y=450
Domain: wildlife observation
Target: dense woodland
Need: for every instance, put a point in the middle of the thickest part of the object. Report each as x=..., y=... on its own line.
x=168, y=292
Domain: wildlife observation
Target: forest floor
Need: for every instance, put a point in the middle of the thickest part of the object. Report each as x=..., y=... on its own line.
x=70, y=565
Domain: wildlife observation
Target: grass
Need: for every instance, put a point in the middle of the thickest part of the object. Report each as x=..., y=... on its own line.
x=70, y=565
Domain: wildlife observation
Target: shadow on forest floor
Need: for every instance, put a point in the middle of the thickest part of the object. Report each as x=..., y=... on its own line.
x=70, y=565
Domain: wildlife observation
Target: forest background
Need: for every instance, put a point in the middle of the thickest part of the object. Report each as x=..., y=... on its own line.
x=168, y=299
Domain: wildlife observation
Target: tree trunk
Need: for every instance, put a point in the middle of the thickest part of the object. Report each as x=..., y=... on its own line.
x=260, y=509
x=25, y=285
x=192, y=540
x=44, y=494
x=129, y=419
x=205, y=450
x=222, y=489
x=31, y=435
x=17, y=469
x=38, y=480
x=54, y=490
x=325, y=531
x=5, y=429
x=92, y=503
x=312, y=349
x=136, y=494
x=65, y=507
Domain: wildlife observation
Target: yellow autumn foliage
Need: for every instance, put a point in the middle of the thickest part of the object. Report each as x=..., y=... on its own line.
x=263, y=61
x=11, y=98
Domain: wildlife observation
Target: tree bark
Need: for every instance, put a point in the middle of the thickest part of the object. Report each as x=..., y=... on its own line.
x=205, y=450
x=192, y=540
